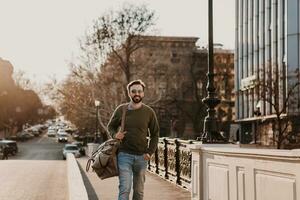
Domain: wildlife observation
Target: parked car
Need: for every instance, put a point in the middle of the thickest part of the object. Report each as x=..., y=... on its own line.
x=11, y=145
x=71, y=148
x=34, y=130
x=51, y=132
x=62, y=137
x=12, y=137
x=24, y=135
x=61, y=130
x=80, y=146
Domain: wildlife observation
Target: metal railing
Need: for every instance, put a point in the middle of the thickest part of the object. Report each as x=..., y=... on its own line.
x=172, y=161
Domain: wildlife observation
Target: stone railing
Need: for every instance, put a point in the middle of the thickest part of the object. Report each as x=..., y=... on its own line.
x=172, y=161
x=224, y=172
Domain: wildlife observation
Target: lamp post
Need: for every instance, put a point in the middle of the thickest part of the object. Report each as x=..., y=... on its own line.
x=97, y=104
x=257, y=113
x=210, y=132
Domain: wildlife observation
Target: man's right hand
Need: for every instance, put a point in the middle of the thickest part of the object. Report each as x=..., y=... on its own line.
x=120, y=135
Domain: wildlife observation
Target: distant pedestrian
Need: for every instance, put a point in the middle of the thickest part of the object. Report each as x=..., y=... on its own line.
x=1, y=151
x=5, y=152
x=134, y=151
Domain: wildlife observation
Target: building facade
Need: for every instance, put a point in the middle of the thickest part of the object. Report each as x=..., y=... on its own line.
x=267, y=57
x=174, y=69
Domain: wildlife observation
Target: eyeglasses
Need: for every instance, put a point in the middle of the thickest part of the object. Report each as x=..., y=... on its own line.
x=137, y=91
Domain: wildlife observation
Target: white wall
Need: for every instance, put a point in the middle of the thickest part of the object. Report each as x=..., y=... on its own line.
x=232, y=173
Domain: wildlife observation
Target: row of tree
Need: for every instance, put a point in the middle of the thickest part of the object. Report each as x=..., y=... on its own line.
x=103, y=69
x=19, y=106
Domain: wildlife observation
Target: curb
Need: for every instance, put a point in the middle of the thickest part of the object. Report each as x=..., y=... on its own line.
x=77, y=190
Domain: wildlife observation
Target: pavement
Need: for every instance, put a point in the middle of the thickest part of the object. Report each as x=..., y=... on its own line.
x=68, y=180
x=156, y=188
x=33, y=180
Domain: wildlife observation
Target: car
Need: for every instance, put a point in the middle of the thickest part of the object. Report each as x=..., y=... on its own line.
x=71, y=148
x=34, y=131
x=11, y=145
x=62, y=137
x=51, y=133
x=24, y=135
x=61, y=130
x=80, y=146
x=12, y=137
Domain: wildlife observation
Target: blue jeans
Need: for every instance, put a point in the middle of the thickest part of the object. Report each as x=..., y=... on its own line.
x=132, y=168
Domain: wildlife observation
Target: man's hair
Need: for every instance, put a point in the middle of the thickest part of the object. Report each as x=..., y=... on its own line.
x=136, y=82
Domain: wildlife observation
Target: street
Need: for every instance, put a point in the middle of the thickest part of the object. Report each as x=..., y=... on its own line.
x=36, y=172
x=40, y=148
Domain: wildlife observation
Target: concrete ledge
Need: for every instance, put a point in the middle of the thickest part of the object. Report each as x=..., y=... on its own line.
x=77, y=190
x=236, y=151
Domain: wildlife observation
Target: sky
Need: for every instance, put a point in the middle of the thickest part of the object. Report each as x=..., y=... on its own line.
x=40, y=37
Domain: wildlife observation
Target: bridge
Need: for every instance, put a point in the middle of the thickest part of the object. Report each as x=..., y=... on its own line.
x=178, y=170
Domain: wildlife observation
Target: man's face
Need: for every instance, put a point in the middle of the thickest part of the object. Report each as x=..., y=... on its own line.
x=136, y=93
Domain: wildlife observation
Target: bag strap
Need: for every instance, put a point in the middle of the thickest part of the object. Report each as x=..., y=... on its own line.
x=88, y=164
x=124, y=109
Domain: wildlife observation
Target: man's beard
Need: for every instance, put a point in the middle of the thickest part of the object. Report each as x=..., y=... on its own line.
x=136, y=99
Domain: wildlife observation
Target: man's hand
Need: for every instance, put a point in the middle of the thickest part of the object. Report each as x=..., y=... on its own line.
x=147, y=156
x=120, y=135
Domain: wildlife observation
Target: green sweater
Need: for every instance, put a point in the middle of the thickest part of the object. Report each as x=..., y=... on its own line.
x=139, y=124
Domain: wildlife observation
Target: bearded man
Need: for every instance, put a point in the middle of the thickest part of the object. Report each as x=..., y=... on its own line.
x=135, y=151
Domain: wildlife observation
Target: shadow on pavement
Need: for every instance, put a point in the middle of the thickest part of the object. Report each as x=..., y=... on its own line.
x=89, y=188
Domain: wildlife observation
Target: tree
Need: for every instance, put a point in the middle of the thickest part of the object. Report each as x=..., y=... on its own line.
x=72, y=99
x=19, y=104
x=102, y=71
x=22, y=81
x=270, y=91
x=76, y=95
x=117, y=35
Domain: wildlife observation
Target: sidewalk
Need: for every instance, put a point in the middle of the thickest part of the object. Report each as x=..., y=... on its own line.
x=33, y=180
x=155, y=187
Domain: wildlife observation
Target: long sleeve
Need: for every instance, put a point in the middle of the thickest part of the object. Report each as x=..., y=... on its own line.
x=114, y=123
x=154, y=134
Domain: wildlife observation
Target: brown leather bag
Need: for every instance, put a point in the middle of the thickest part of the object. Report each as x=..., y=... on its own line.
x=104, y=159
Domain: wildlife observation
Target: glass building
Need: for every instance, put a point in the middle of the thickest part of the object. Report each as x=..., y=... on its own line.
x=267, y=57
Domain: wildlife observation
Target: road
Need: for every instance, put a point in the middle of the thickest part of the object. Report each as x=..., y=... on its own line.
x=37, y=172
x=40, y=148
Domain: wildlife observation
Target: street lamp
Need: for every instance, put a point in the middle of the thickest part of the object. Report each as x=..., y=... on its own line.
x=211, y=132
x=257, y=113
x=97, y=104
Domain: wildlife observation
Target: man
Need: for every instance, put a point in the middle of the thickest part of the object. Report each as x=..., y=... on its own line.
x=5, y=152
x=134, y=152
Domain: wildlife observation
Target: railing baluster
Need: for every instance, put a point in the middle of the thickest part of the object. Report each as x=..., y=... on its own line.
x=177, y=156
x=172, y=161
x=166, y=158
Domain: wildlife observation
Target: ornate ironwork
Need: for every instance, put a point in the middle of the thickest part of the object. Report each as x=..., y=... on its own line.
x=152, y=165
x=185, y=155
x=185, y=164
x=161, y=158
x=172, y=161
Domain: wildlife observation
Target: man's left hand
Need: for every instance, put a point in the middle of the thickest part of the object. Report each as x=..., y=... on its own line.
x=147, y=156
